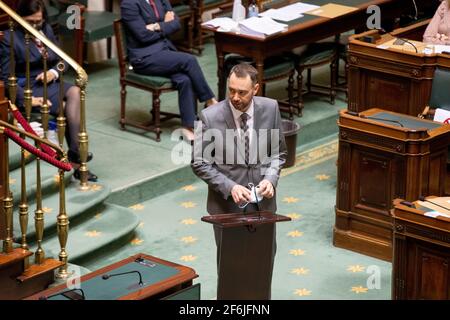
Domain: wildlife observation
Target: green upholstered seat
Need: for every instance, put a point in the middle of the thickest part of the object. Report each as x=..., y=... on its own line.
x=52, y=13
x=317, y=53
x=151, y=81
x=98, y=24
x=278, y=67
x=440, y=93
x=181, y=9
x=273, y=67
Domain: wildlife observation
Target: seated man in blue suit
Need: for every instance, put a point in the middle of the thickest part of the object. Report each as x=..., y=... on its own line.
x=148, y=24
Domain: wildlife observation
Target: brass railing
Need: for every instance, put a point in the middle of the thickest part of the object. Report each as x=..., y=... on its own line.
x=81, y=83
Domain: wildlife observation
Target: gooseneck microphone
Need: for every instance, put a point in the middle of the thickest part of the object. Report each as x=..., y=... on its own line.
x=70, y=294
x=422, y=198
x=402, y=39
x=107, y=276
x=356, y=114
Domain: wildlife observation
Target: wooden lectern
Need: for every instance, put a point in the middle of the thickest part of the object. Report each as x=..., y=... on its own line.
x=380, y=160
x=391, y=77
x=246, y=250
x=421, y=261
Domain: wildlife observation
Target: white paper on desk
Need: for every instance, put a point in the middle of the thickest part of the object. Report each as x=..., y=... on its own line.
x=261, y=26
x=300, y=7
x=281, y=15
x=441, y=115
x=434, y=214
x=225, y=24
x=439, y=48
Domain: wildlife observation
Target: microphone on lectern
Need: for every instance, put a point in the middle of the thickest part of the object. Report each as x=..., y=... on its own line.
x=71, y=294
x=107, y=276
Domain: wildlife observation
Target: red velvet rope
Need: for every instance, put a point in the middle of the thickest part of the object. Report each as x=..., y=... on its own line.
x=29, y=129
x=44, y=156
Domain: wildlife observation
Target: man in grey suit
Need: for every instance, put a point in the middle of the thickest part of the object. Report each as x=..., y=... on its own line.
x=240, y=142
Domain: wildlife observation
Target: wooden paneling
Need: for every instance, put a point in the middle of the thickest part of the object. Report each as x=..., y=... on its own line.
x=378, y=163
x=421, y=255
x=389, y=79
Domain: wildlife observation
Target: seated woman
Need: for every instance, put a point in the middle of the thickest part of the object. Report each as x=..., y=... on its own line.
x=438, y=31
x=148, y=24
x=34, y=12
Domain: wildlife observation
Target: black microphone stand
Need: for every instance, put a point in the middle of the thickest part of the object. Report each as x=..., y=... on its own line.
x=71, y=294
x=107, y=276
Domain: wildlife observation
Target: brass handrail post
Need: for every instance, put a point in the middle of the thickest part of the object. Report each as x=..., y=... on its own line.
x=63, y=226
x=39, y=255
x=12, y=79
x=61, y=119
x=45, y=107
x=83, y=136
x=23, y=207
x=7, y=204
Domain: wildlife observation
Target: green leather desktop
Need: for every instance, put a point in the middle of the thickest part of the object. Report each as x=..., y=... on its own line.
x=161, y=280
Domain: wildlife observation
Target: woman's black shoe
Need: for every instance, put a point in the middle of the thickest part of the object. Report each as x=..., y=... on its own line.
x=91, y=176
x=75, y=157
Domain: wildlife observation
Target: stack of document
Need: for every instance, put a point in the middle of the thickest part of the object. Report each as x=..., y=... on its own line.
x=290, y=12
x=224, y=24
x=36, y=126
x=261, y=27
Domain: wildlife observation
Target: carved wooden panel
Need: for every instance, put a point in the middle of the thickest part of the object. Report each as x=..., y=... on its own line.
x=373, y=168
x=433, y=274
x=386, y=92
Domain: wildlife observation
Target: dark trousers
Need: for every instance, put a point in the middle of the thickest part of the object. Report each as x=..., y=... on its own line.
x=185, y=73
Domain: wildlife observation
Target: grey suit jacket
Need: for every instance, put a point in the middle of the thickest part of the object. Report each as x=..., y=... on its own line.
x=220, y=161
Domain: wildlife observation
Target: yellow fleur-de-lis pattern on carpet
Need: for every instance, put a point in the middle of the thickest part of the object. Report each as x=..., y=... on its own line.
x=301, y=269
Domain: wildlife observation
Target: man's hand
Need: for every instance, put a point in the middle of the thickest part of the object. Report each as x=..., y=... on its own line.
x=39, y=101
x=240, y=194
x=153, y=27
x=50, y=77
x=266, y=189
x=169, y=16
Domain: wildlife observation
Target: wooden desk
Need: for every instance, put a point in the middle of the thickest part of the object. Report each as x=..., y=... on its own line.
x=378, y=162
x=307, y=29
x=421, y=254
x=391, y=79
x=162, y=279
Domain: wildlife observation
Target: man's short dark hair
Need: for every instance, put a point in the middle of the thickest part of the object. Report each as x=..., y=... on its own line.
x=243, y=70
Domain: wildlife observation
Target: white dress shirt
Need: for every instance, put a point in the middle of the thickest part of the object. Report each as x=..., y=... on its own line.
x=238, y=121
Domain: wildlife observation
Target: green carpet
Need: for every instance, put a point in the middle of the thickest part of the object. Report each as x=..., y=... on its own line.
x=307, y=265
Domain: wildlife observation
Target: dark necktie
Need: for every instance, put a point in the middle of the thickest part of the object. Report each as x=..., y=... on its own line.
x=155, y=9
x=244, y=127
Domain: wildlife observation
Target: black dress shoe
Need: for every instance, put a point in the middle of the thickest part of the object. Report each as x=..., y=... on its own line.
x=91, y=176
x=75, y=157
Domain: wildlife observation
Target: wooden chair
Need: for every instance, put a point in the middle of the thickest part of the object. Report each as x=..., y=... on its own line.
x=186, y=12
x=154, y=84
x=316, y=55
x=94, y=26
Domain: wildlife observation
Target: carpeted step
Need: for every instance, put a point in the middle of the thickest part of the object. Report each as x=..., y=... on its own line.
x=113, y=223
x=78, y=204
x=15, y=156
x=49, y=180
